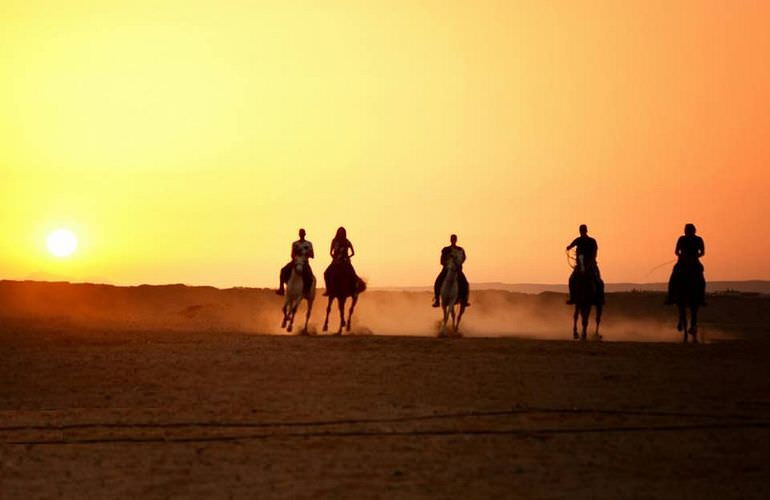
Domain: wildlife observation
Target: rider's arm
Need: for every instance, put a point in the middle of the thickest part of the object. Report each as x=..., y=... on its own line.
x=293, y=251
x=573, y=244
x=678, y=249
x=702, y=248
x=310, y=253
x=331, y=250
x=352, y=252
x=463, y=257
x=442, y=260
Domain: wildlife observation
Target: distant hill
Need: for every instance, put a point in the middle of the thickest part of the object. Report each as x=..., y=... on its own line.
x=751, y=286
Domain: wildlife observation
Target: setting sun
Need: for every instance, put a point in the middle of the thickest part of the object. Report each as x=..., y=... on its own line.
x=62, y=243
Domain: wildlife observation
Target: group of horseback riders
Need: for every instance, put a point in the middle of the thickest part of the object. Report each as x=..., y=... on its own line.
x=688, y=269
x=341, y=251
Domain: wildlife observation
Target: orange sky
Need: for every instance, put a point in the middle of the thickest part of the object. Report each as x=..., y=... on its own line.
x=186, y=141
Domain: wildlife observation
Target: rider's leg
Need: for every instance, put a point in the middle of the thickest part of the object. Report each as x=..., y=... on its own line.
x=353, y=275
x=463, y=288
x=572, y=278
x=702, y=288
x=326, y=279
x=672, y=282
x=437, y=287
x=599, y=285
x=283, y=277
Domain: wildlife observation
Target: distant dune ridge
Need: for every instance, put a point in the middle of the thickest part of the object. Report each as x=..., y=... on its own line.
x=749, y=286
x=636, y=315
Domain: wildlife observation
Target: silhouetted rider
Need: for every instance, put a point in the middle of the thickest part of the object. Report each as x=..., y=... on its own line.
x=587, y=248
x=458, y=255
x=689, y=249
x=341, y=250
x=301, y=252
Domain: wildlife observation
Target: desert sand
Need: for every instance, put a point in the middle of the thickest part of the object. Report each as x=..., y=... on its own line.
x=103, y=411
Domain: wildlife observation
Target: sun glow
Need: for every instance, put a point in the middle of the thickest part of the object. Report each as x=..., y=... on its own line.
x=62, y=243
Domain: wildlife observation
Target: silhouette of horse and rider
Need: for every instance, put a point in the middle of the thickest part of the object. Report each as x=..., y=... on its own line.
x=341, y=280
x=451, y=287
x=586, y=288
x=686, y=287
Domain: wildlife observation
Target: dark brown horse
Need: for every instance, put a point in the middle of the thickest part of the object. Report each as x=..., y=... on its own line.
x=342, y=282
x=588, y=293
x=687, y=290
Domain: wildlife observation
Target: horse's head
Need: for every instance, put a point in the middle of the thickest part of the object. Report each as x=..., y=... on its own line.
x=451, y=265
x=299, y=266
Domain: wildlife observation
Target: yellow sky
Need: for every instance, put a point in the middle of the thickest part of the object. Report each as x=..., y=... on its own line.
x=186, y=141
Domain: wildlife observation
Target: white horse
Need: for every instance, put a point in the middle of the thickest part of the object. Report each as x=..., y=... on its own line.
x=449, y=299
x=294, y=297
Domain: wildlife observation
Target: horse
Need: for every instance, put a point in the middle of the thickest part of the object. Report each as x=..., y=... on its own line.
x=687, y=293
x=450, y=298
x=342, y=282
x=587, y=294
x=294, y=296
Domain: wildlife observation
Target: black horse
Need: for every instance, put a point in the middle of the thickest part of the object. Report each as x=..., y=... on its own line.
x=342, y=282
x=588, y=292
x=687, y=292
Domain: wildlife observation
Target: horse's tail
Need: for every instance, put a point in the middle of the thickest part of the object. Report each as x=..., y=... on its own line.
x=360, y=285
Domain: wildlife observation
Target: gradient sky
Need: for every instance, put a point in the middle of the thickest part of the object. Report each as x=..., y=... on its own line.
x=186, y=141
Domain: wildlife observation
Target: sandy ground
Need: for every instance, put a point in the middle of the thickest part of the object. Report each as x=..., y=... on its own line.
x=100, y=414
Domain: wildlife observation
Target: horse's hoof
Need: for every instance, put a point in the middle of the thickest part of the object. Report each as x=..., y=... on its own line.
x=326, y=328
x=679, y=327
x=575, y=335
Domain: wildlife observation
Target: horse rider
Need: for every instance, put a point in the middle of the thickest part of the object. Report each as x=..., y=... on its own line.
x=341, y=250
x=689, y=249
x=457, y=254
x=301, y=252
x=587, y=248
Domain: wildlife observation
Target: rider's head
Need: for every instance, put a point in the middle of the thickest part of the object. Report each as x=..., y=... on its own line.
x=301, y=234
x=583, y=230
x=453, y=239
x=341, y=234
x=689, y=229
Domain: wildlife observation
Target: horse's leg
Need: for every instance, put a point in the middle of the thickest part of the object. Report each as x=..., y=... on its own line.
x=445, y=310
x=574, y=322
x=309, y=310
x=341, y=303
x=585, y=312
x=598, y=319
x=459, y=318
x=293, y=312
x=682, y=325
x=353, y=302
x=328, y=309
x=694, y=323
x=285, y=316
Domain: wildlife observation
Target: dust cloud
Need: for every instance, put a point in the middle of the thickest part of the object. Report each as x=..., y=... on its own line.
x=494, y=313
